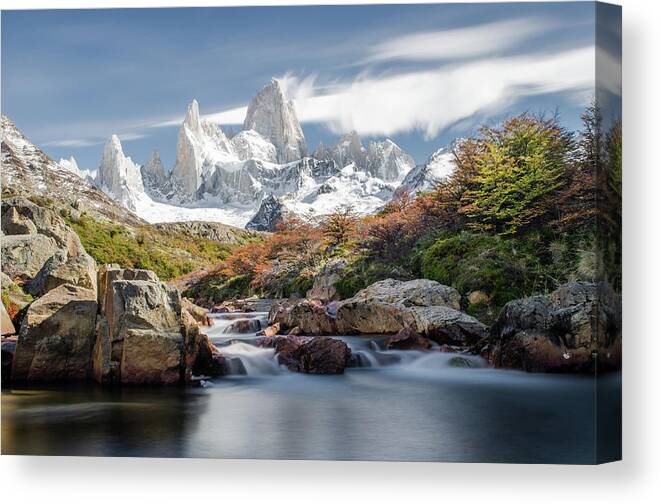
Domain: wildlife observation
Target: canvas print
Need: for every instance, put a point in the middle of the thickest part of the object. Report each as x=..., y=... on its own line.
x=370, y=232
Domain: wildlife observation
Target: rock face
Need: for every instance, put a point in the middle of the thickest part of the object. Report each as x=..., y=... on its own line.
x=309, y=355
x=154, y=179
x=323, y=287
x=384, y=160
x=118, y=176
x=29, y=173
x=408, y=339
x=200, y=146
x=32, y=235
x=139, y=331
x=24, y=255
x=62, y=269
x=273, y=116
x=56, y=336
x=562, y=332
x=386, y=307
x=271, y=213
x=426, y=177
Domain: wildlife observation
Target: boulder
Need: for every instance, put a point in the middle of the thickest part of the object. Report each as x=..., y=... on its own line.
x=408, y=339
x=270, y=331
x=244, y=305
x=57, y=336
x=22, y=217
x=319, y=355
x=385, y=307
x=23, y=256
x=419, y=292
x=62, y=269
x=447, y=326
x=197, y=312
x=199, y=352
x=323, y=287
x=310, y=316
x=140, y=333
x=562, y=332
x=243, y=326
x=322, y=356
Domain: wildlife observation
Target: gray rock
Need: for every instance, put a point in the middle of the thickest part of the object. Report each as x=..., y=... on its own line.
x=574, y=329
x=23, y=256
x=61, y=269
x=56, y=336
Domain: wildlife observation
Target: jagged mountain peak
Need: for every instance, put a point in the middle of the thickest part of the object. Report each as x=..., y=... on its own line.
x=192, y=119
x=272, y=115
x=118, y=176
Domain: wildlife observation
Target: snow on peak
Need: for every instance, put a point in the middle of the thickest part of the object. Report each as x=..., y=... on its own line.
x=249, y=144
x=69, y=165
x=200, y=146
x=427, y=176
x=118, y=176
x=272, y=115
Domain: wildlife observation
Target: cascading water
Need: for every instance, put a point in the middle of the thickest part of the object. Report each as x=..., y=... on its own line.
x=235, y=333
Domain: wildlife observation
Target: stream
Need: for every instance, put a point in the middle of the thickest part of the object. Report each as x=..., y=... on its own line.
x=390, y=405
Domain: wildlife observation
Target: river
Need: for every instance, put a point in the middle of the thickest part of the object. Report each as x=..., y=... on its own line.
x=396, y=405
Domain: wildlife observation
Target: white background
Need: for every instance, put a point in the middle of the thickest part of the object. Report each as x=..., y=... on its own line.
x=636, y=480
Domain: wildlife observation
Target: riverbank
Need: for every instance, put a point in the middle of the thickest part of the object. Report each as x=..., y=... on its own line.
x=395, y=405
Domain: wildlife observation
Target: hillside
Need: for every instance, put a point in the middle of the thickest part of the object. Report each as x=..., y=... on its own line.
x=109, y=232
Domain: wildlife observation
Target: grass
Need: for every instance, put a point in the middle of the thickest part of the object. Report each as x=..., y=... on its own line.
x=168, y=255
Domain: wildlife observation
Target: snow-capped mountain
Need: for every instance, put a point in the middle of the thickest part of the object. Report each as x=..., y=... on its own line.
x=384, y=160
x=273, y=116
x=71, y=165
x=118, y=176
x=154, y=178
x=227, y=178
x=427, y=176
x=28, y=171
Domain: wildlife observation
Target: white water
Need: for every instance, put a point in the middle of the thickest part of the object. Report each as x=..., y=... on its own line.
x=244, y=358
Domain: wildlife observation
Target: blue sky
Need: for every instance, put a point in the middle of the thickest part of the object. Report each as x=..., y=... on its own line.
x=419, y=74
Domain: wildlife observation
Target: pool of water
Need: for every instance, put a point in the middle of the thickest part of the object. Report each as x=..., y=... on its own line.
x=396, y=405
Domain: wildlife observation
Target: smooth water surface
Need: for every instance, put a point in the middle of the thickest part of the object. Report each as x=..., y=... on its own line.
x=398, y=405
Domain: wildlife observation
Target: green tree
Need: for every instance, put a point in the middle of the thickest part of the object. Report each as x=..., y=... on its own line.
x=518, y=171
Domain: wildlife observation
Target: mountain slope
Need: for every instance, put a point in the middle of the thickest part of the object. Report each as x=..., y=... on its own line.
x=108, y=231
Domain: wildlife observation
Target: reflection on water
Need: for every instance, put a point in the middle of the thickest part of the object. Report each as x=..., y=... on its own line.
x=402, y=405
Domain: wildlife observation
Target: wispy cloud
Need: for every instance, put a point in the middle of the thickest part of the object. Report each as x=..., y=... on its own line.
x=459, y=43
x=91, y=141
x=431, y=100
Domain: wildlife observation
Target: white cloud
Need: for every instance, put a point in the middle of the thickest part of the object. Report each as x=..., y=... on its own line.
x=459, y=43
x=76, y=142
x=431, y=100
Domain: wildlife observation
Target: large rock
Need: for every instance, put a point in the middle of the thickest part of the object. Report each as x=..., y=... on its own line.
x=310, y=316
x=563, y=332
x=408, y=339
x=418, y=292
x=321, y=355
x=56, y=336
x=387, y=307
x=140, y=334
x=62, y=269
x=23, y=256
x=20, y=217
